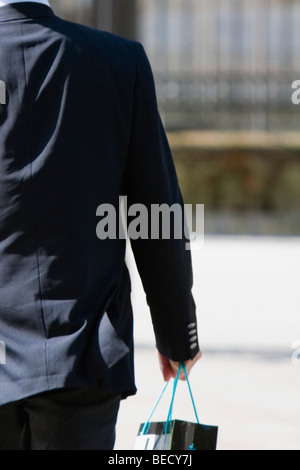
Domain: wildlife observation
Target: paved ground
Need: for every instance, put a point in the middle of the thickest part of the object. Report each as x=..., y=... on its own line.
x=248, y=298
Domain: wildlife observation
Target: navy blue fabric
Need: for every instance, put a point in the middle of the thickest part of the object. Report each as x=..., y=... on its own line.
x=80, y=127
x=67, y=419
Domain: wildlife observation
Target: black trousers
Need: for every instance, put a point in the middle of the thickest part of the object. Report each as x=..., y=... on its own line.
x=68, y=419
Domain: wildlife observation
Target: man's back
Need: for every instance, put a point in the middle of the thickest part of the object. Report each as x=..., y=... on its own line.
x=79, y=128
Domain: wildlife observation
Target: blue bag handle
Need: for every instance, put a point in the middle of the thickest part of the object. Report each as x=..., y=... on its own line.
x=169, y=418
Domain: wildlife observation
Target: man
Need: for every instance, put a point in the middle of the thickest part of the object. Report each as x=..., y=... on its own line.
x=79, y=127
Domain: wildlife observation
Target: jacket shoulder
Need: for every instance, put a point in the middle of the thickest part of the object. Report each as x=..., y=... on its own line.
x=86, y=35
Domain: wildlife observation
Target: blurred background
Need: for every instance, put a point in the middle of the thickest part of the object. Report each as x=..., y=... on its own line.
x=224, y=71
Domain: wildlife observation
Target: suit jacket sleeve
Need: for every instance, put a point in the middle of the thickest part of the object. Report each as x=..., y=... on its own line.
x=164, y=265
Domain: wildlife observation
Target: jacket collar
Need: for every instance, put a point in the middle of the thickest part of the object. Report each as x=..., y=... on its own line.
x=24, y=10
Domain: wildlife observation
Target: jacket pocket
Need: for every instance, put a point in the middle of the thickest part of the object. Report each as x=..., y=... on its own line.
x=112, y=348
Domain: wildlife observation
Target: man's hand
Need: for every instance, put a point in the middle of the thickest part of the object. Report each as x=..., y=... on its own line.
x=170, y=368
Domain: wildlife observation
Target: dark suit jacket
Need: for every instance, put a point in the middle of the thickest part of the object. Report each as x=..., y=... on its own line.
x=79, y=127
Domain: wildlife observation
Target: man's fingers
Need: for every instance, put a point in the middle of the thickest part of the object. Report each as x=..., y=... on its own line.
x=170, y=368
x=175, y=367
x=188, y=366
x=165, y=367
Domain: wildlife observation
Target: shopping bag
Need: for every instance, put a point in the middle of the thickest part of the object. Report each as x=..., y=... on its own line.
x=175, y=434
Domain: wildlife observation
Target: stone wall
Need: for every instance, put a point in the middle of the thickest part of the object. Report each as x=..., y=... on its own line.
x=249, y=182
